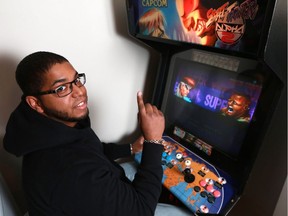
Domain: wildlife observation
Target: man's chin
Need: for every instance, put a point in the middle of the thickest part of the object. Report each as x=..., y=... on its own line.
x=81, y=114
x=84, y=116
x=78, y=118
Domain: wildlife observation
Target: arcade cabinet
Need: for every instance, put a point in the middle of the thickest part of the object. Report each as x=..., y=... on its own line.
x=216, y=90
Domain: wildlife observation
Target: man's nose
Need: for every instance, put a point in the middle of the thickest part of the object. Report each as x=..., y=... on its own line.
x=76, y=90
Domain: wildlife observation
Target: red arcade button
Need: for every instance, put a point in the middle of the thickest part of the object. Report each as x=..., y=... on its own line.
x=202, y=183
x=210, y=188
x=217, y=193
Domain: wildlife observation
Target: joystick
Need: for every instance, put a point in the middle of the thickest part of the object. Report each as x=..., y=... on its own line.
x=189, y=178
x=187, y=171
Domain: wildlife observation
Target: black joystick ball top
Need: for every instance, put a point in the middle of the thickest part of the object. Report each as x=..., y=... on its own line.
x=187, y=171
x=189, y=178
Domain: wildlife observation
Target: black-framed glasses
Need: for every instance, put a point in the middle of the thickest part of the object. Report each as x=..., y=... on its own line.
x=66, y=88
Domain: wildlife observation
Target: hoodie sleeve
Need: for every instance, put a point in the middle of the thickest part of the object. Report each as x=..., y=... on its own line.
x=115, y=151
x=100, y=191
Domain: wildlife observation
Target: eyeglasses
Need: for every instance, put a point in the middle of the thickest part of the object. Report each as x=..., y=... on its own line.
x=66, y=88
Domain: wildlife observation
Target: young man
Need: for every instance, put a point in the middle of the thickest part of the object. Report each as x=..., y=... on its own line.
x=66, y=168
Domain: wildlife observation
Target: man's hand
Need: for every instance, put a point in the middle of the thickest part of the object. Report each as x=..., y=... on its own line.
x=137, y=146
x=151, y=120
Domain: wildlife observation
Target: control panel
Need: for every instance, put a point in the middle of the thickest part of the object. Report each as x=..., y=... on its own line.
x=194, y=181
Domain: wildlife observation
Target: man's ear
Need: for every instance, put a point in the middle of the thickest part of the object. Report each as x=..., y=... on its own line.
x=34, y=103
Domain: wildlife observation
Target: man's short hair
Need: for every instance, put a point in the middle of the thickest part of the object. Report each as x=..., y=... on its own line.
x=30, y=71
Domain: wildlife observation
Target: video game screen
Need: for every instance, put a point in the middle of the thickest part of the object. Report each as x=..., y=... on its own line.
x=210, y=107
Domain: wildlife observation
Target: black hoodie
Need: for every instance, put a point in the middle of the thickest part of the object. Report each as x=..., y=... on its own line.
x=68, y=171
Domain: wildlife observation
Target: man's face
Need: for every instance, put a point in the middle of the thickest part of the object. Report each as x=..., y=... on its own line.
x=237, y=106
x=69, y=109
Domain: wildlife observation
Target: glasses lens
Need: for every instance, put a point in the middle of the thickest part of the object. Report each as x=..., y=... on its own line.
x=81, y=80
x=66, y=89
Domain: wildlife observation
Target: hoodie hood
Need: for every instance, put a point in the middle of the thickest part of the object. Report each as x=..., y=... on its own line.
x=28, y=131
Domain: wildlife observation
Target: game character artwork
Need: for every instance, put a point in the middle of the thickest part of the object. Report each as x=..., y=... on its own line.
x=222, y=93
x=184, y=88
x=238, y=107
x=225, y=24
x=219, y=99
x=153, y=23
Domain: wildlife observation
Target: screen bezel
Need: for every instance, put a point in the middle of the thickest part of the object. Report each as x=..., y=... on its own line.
x=255, y=132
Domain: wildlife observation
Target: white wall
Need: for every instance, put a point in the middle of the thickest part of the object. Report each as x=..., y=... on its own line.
x=93, y=35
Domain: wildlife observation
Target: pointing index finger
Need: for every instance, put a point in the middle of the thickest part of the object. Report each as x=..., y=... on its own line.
x=140, y=102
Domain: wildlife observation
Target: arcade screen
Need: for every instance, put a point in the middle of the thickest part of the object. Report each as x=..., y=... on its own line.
x=210, y=106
